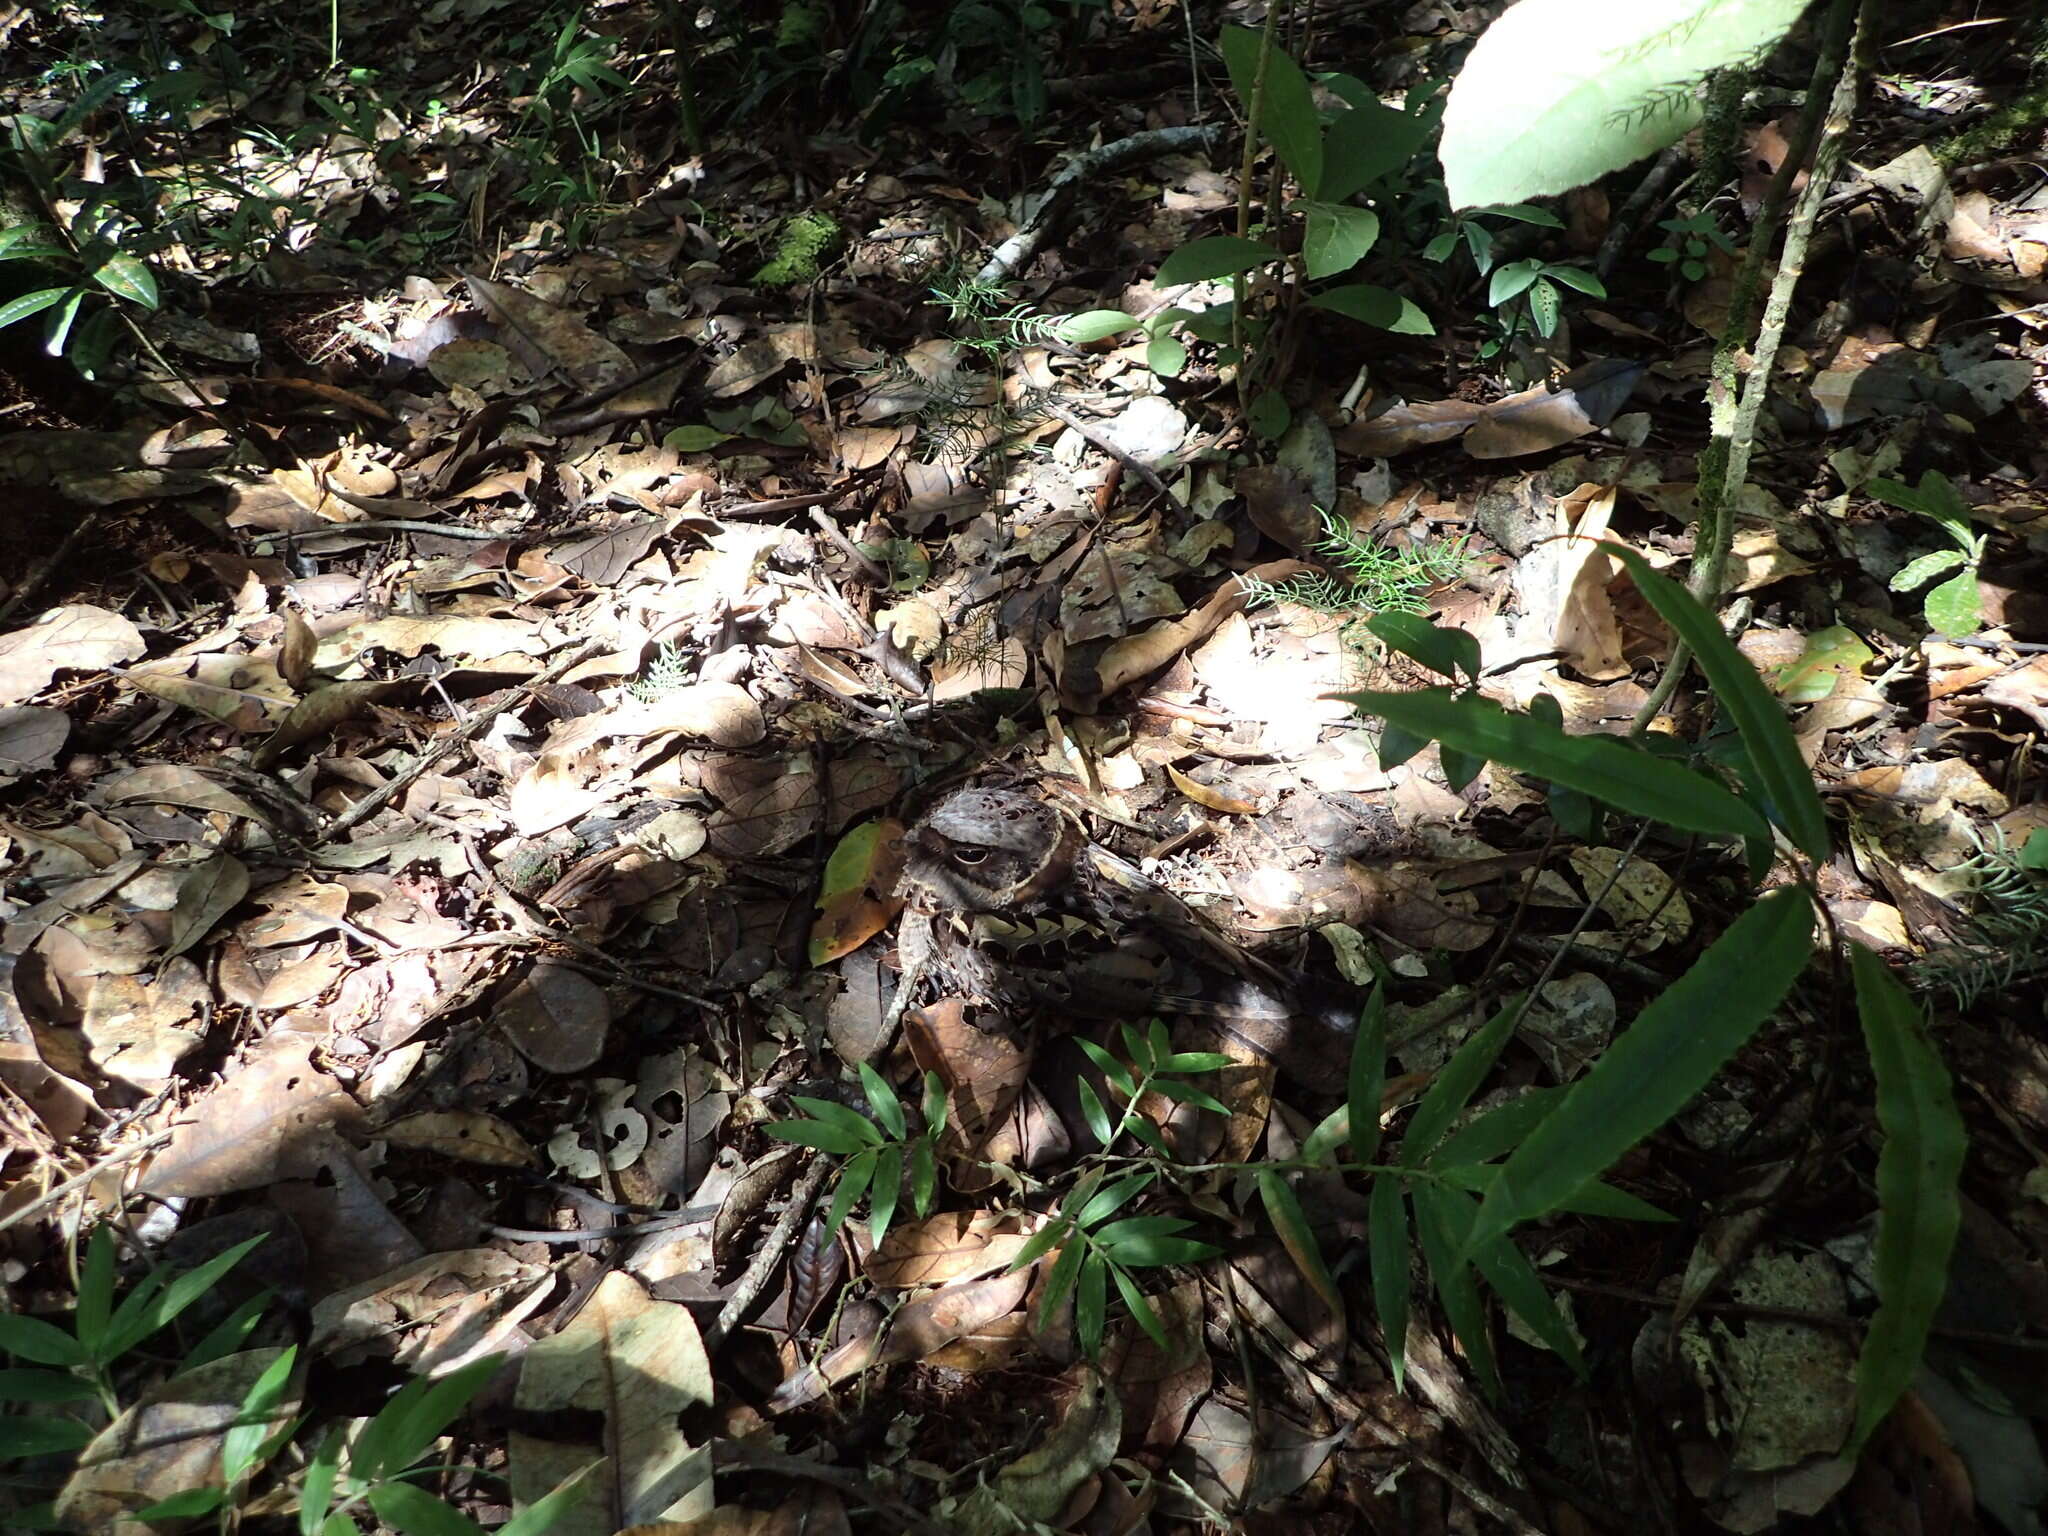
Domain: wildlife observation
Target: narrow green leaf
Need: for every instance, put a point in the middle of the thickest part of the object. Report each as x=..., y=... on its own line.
x=1290, y=1223
x=1112, y=1197
x=41, y=1343
x=135, y=1320
x=934, y=1104
x=854, y=1178
x=1148, y=1134
x=26, y=1386
x=1091, y=1304
x=924, y=1177
x=1366, y=1083
x=1184, y=1062
x=1093, y=325
x=1917, y=1173
x=1659, y=1063
x=840, y=1117
x=882, y=1099
x=1781, y=770
x=1082, y=1192
x=814, y=1133
x=1157, y=1252
x=1038, y=1245
x=95, y=1289
x=1331, y=1132
x=30, y=304
x=1099, y=1124
x=1286, y=106
x=257, y=1422
x=1387, y=1229
x=416, y=1415
x=1137, y=1048
x=543, y=1513
x=883, y=1192
x=42, y=1436
x=414, y=1512
x=188, y=1505
x=1185, y=1093
x=1448, y=652
x=1112, y=1069
x=1064, y=1271
x=1199, y=261
x=1442, y=1228
x=1456, y=1081
x=1141, y=1307
x=231, y=1332
x=1514, y=1279
x=1500, y=1129
x=1600, y=766
x=316, y=1489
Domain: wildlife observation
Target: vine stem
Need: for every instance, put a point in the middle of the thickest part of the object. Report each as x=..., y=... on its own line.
x=1738, y=394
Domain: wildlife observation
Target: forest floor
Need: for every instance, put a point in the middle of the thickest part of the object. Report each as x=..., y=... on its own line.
x=479, y=691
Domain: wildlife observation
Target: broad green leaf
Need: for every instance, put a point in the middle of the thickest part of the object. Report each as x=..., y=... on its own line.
x=1460, y=768
x=694, y=439
x=127, y=278
x=1917, y=1171
x=1270, y=415
x=1526, y=213
x=884, y=1191
x=1781, y=770
x=404, y=1427
x=1387, y=1226
x=814, y=1133
x=854, y=1178
x=1396, y=745
x=1443, y=1225
x=2033, y=852
x=1141, y=1308
x=41, y=1436
x=1510, y=280
x=882, y=1100
x=1091, y=1303
x=1337, y=237
x=1935, y=496
x=1290, y=1223
x=1828, y=655
x=1556, y=94
x=1545, y=308
x=1656, y=1067
x=1456, y=1081
x=1093, y=325
x=1447, y=652
x=1287, y=109
x=1166, y=356
x=1362, y=145
x=26, y=1386
x=412, y=1511
x=59, y=324
x=1201, y=260
x=1366, y=1082
x=1586, y=282
x=1376, y=306
x=1600, y=766
x=1953, y=608
x=30, y=304
x=542, y=1515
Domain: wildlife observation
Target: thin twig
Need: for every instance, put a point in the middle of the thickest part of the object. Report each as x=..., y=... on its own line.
x=747, y=1292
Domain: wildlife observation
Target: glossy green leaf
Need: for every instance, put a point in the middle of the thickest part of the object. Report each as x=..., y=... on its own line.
x=884, y=1191
x=127, y=278
x=1387, y=1248
x=30, y=304
x=1100, y=1126
x=41, y=1343
x=1456, y=1081
x=404, y=1427
x=1509, y=281
x=1112, y=1197
x=412, y=1511
x=1917, y=1174
x=1141, y=1308
x=1184, y=1062
x=1091, y=1304
x=1093, y=325
x=1337, y=238
x=1657, y=1065
x=1200, y=261
x=1290, y=1224
x=1286, y=107
x=1448, y=652
x=42, y=1435
x=1774, y=753
x=882, y=1100
x=814, y=1133
x=1375, y=306
x=1112, y=1069
x=1600, y=766
x=1145, y=1052
x=934, y=1104
x=1187, y=1093
x=854, y=1178
x=1514, y=1279
x=1585, y=282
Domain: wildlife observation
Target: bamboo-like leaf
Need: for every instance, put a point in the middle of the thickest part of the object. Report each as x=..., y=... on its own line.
x=1514, y=1279
x=1185, y=1062
x=1659, y=1063
x=1447, y=652
x=1594, y=1199
x=405, y=1426
x=1438, y=1227
x=934, y=1104
x=1499, y=1130
x=1782, y=774
x=1038, y=1244
x=883, y=1191
x=1113, y=1070
x=1187, y=1093
x=95, y=1290
x=854, y=1178
x=1290, y=1222
x=1924, y=1145
x=1065, y=1269
x=1091, y=1303
x=814, y=1133
x=924, y=1177
x=1099, y=1123
x=1366, y=1083
x=148, y=1308
x=1456, y=1081
x=1141, y=1307
x=839, y=1116
x=1387, y=1226
x=1331, y=1132
x=882, y=1099
x=1111, y=1198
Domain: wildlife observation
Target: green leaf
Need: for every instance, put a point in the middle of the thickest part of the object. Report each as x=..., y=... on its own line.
x=813, y=1133
x=415, y=1512
x=1526, y=213
x=1199, y=261
x=1376, y=306
x=1443, y=1224
x=1093, y=325
x=1387, y=1247
x=1038, y=1245
x=316, y=1489
x=1141, y=1307
x=1369, y=141
x=30, y=304
x=1184, y=1062
x=694, y=438
x=1917, y=573
x=149, y=1307
x=854, y=1177
x=1337, y=238
x=1099, y=1123
x=1366, y=1082
x=840, y=1117
x=1543, y=104
x=258, y=1420
x=1456, y=1081
x=231, y=1332
x=42, y=1436
x=2033, y=852
x=1111, y=1198
x=1917, y=1173
x=1331, y=1132
x=1091, y=1303
x=1290, y=1223
x=1656, y=1067
x=1166, y=356
x=1586, y=282
x=1498, y=1130
x=1514, y=1279
x=543, y=1513
x=187, y=1505
x=95, y=1289
x=1510, y=280
x=1396, y=746
x=1114, y=1070
x=1144, y=1053
x=1187, y=1093
x=924, y=1176
x=1286, y=107
x=1545, y=307
x=883, y=1192
x=1781, y=770
x=1953, y=608
x=127, y=278
x=934, y=1104
x=1448, y=652
x=1460, y=769
x=1600, y=766
x=1064, y=1272
x=1270, y=414
x=25, y=1386
x=882, y=1099
x=32, y=1339
x=414, y=1418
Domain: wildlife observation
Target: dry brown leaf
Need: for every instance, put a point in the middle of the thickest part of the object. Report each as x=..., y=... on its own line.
x=79, y=638
x=434, y=1313
x=468, y=1135
x=942, y=1249
x=555, y=1017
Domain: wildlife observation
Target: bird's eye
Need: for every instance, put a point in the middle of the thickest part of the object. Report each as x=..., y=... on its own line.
x=970, y=856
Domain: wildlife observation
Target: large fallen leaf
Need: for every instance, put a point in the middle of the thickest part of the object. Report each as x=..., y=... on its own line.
x=80, y=638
